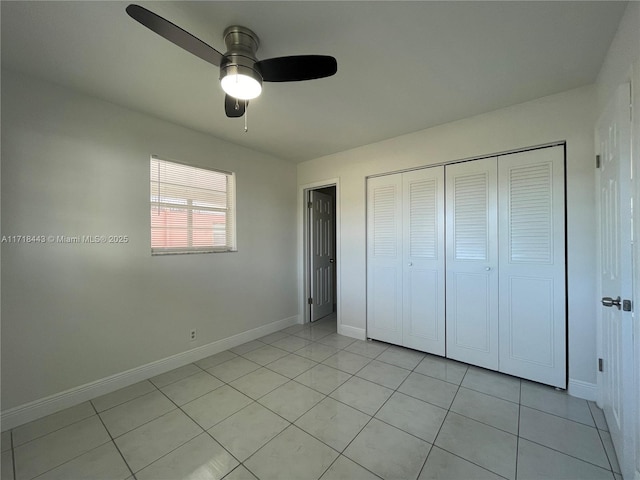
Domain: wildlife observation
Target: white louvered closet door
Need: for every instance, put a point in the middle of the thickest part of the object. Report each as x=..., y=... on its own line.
x=532, y=265
x=423, y=320
x=384, y=258
x=472, y=261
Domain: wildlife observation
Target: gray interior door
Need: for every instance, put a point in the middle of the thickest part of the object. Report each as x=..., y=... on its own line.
x=322, y=254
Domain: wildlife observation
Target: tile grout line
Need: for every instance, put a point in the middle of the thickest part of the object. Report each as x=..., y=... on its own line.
x=77, y=456
x=96, y=413
x=331, y=465
x=204, y=431
x=606, y=452
x=485, y=393
x=565, y=453
x=561, y=392
x=380, y=408
x=455, y=454
x=113, y=441
x=252, y=402
x=127, y=401
x=291, y=424
x=340, y=453
x=559, y=416
x=520, y=405
x=559, y=451
x=569, y=455
x=13, y=454
x=518, y=429
x=52, y=431
x=179, y=379
x=442, y=424
x=144, y=423
x=256, y=401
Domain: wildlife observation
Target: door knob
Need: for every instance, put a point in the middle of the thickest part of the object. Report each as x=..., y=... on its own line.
x=410, y=264
x=610, y=302
x=488, y=268
x=331, y=260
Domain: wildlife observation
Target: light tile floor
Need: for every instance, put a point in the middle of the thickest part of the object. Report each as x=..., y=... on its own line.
x=307, y=403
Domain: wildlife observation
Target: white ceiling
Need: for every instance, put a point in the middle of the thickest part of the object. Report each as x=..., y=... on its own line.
x=402, y=66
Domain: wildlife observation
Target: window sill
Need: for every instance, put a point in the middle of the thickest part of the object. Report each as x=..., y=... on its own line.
x=188, y=252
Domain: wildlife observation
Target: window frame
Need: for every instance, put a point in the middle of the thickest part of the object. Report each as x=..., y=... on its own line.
x=229, y=210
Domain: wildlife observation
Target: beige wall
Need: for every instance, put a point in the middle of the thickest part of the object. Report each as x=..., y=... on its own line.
x=569, y=117
x=73, y=314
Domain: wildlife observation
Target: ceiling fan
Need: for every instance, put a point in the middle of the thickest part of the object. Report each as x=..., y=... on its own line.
x=241, y=73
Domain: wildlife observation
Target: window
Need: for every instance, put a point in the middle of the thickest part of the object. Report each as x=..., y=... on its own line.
x=192, y=209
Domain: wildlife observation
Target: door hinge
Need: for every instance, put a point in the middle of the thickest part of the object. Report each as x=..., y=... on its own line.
x=626, y=305
x=630, y=102
x=310, y=301
x=309, y=204
x=597, y=161
x=600, y=365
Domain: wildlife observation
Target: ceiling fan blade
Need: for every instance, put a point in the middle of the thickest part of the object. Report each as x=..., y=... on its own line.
x=174, y=34
x=233, y=107
x=296, y=68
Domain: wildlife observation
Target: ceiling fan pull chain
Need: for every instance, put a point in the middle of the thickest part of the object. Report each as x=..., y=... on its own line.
x=246, y=115
x=237, y=104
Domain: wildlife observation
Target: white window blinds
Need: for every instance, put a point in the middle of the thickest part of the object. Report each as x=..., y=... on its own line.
x=192, y=209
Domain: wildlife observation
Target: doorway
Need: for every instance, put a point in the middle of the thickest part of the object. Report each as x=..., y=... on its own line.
x=320, y=252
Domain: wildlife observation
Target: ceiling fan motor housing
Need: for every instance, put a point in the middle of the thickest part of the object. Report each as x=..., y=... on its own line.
x=240, y=57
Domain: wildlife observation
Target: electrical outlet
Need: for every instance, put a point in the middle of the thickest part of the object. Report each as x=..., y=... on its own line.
x=192, y=335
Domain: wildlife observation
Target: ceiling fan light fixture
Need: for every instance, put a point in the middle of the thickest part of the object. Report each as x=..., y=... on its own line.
x=240, y=82
x=241, y=73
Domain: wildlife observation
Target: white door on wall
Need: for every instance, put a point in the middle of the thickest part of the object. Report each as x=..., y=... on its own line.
x=532, y=319
x=472, y=262
x=384, y=258
x=613, y=144
x=423, y=322
x=323, y=257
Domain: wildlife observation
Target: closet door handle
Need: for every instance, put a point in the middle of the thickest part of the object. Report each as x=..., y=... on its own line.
x=410, y=264
x=488, y=268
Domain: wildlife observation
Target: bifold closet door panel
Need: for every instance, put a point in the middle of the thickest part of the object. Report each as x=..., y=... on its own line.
x=472, y=262
x=532, y=265
x=423, y=320
x=384, y=258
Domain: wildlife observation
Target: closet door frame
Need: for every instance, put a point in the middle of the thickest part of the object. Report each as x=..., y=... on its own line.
x=492, y=274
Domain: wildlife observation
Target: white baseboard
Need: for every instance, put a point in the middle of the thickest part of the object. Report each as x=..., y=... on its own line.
x=22, y=414
x=353, y=332
x=584, y=390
